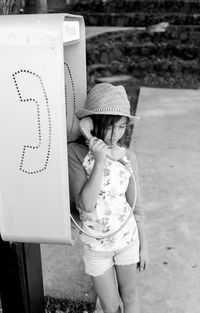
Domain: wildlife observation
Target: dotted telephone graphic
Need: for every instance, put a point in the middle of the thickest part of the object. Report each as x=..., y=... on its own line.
x=35, y=158
x=43, y=82
x=70, y=97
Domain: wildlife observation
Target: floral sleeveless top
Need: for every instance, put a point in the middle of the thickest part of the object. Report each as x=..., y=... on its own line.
x=111, y=209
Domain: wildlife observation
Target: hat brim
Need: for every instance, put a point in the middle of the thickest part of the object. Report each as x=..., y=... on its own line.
x=84, y=112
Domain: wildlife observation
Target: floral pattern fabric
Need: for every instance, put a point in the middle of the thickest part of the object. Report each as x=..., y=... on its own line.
x=111, y=209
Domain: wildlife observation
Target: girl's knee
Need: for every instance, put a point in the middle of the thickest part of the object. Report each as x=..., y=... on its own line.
x=129, y=295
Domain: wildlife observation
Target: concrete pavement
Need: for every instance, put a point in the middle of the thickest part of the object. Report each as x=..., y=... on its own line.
x=92, y=31
x=167, y=144
x=166, y=141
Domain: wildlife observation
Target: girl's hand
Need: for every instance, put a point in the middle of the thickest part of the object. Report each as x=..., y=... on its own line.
x=144, y=259
x=98, y=149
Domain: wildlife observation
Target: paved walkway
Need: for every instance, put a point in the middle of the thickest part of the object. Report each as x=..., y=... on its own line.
x=167, y=144
x=92, y=31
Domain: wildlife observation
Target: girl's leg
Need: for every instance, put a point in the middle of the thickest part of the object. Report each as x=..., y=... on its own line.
x=126, y=277
x=106, y=289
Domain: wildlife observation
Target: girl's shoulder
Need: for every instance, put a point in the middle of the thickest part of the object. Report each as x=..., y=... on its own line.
x=77, y=150
x=131, y=156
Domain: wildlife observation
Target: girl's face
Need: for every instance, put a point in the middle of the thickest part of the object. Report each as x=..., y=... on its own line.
x=114, y=133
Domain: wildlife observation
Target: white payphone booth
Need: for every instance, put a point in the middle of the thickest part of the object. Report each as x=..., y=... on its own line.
x=42, y=84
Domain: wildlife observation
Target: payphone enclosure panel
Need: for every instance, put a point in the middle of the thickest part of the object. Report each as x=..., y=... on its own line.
x=42, y=84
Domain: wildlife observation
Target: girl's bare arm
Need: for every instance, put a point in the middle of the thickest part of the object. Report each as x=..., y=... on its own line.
x=90, y=191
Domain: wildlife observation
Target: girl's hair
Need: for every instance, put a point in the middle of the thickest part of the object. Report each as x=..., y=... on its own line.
x=101, y=123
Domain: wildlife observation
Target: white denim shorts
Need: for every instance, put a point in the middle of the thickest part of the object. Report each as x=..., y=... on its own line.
x=98, y=262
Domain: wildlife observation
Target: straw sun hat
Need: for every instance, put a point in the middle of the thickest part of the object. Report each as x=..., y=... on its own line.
x=107, y=99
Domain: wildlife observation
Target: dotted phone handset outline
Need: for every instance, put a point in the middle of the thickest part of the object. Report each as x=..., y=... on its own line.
x=16, y=77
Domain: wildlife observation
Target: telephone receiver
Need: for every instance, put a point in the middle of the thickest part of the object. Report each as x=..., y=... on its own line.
x=86, y=126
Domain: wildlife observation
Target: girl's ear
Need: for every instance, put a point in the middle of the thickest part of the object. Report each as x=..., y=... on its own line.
x=86, y=126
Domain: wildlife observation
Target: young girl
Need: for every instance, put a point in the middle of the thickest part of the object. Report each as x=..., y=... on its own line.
x=103, y=190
